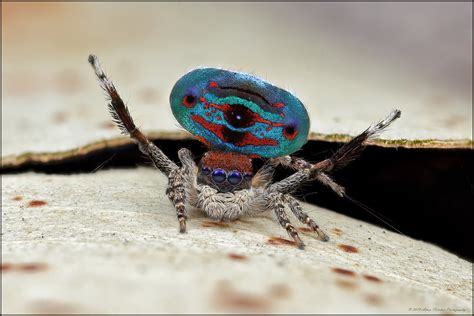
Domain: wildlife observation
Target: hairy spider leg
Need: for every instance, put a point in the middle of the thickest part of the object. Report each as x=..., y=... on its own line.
x=296, y=208
x=341, y=158
x=176, y=191
x=276, y=202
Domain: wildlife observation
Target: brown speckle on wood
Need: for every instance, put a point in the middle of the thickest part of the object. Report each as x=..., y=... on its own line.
x=343, y=271
x=6, y=267
x=305, y=229
x=214, y=224
x=336, y=231
x=23, y=267
x=347, y=285
x=236, y=257
x=280, y=241
x=236, y=301
x=36, y=203
x=280, y=290
x=17, y=198
x=348, y=248
x=374, y=299
x=32, y=267
x=372, y=278
x=52, y=307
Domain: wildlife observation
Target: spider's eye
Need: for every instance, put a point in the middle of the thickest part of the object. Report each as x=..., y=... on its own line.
x=248, y=176
x=234, y=177
x=218, y=175
x=189, y=101
x=240, y=116
x=206, y=171
x=290, y=132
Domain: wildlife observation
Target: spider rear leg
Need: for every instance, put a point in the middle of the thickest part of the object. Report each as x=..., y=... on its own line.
x=277, y=203
x=295, y=207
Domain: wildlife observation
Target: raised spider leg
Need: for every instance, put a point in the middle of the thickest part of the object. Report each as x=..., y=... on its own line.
x=177, y=177
x=343, y=156
x=276, y=202
x=295, y=207
x=347, y=153
x=121, y=116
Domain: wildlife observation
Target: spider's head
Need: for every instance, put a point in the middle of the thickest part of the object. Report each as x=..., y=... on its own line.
x=225, y=171
x=238, y=112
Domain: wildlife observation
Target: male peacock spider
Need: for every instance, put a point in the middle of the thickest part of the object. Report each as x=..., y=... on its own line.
x=239, y=117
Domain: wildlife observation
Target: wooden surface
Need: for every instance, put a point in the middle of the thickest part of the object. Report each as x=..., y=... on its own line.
x=108, y=242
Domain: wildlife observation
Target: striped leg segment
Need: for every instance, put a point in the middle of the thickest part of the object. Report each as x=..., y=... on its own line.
x=304, y=218
x=176, y=192
x=277, y=203
x=341, y=158
x=121, y=116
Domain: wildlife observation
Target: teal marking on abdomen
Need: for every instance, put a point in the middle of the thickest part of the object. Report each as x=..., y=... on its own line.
x=239, y=112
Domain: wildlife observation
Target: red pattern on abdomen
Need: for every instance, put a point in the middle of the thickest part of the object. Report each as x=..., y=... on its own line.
x=246, y=138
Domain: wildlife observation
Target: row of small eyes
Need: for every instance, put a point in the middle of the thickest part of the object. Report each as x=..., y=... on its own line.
x=219, y=175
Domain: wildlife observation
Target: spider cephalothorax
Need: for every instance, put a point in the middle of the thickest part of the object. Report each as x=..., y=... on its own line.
x=225, y=171
x=239, y=117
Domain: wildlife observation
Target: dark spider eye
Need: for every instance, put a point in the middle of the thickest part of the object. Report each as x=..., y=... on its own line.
x=239, y=116
x=189, y=101
x=234, y=177
x=218, y=175
x=206, y=171
x=290, y=132
x=248, y=176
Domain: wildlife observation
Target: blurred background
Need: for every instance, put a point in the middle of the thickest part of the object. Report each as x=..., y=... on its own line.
x=350, y=63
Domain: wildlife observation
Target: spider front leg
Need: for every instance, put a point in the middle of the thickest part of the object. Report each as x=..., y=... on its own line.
x=180, y=180
x=177, y=177
x=276, y=202
x=176, y=192
x=121, y=116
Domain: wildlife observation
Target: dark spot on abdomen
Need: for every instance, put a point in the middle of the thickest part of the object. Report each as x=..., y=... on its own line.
x=231, y=136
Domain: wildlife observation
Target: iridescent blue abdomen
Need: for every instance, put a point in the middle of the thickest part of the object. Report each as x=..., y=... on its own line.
x=238, y=112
